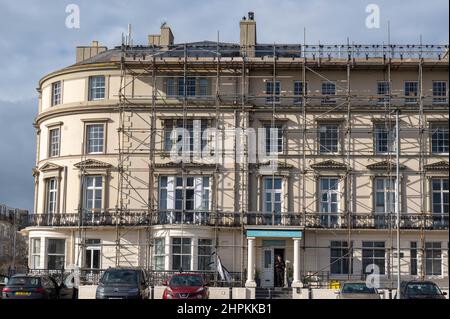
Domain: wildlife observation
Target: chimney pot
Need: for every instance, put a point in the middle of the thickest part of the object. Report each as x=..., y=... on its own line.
x=251, y=15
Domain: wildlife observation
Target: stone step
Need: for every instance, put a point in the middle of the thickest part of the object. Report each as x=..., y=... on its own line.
x=273, y=293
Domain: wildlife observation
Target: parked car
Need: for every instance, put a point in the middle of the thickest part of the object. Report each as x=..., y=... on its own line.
x=123, y=283
x=420, y=290
x=357, y=290
x=30, y=287
x=3, y=283
x=186, y=286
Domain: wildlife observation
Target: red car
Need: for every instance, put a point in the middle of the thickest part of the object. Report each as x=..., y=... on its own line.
x=186, y=286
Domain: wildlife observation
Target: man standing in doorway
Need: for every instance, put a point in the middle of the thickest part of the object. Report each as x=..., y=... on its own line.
x=280, y=267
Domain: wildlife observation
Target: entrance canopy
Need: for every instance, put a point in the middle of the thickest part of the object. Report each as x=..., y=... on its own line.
x=274, y=233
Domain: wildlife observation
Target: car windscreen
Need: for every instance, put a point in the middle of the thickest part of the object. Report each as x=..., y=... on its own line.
x=422, y=289
x=357, y=289
x=120, y=277
x=186, y=281
x=25, y=281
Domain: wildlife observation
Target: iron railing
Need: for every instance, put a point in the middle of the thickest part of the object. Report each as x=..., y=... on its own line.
x=231, y=219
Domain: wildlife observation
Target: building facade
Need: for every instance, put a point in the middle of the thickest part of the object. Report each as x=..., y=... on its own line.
x=167, y=156
x=13, y=246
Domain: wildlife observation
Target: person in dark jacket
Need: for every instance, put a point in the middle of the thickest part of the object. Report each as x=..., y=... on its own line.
x=280, y=267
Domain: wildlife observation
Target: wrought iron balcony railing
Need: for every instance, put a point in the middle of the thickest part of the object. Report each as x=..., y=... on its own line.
x=235, y=219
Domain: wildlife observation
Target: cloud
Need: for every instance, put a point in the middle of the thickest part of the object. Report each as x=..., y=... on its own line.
x=17, y=153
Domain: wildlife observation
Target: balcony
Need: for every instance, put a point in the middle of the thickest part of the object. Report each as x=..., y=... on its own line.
x=233, y=219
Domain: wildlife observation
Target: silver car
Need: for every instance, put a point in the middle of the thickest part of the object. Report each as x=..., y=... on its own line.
x=357, y=290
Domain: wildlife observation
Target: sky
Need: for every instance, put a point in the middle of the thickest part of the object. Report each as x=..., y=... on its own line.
x=34, y=41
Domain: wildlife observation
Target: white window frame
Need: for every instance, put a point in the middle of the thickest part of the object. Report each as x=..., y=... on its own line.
x=373, y=258
x=201, y=256
x=442, y=192
x=191, y=86
x=342, y=247
x=433, y=258
x=97, y=88
x=203, y=87
x=441, y=97
x=35, y=252
x=54, y=141
x=407, y=89
x=328, y=89
x=269, y=90
x=90, y=246
x=329, y=129
x=171, y=88
x=95, y=189
x=388, y=191
x=51, y=196
x=56, y=93
x=270, y=195
x=63, y=254
x=390, y=140
x=169, y=199
x=328, y=216
x=182, y=254
x=272, y=148
x=439, y=130
x=97, y=148
x=159, y=256
x=299, y=97
x=383, y=92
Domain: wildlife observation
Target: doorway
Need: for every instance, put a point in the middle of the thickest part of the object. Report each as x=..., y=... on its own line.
x=268, y=274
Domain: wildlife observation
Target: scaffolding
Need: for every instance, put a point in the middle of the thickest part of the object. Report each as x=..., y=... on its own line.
x=216, y=60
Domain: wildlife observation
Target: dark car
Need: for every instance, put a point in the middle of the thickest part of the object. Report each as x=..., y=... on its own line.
x=123, y=283
x=420, y=290
x=357, y=290
x=3, y=283
x=186, y=286
x=31, y=287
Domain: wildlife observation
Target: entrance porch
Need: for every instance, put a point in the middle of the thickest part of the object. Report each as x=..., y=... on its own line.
x=264, y=247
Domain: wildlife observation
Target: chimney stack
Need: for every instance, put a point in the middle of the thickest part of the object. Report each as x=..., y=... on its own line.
x=87, y=52
x=248, y=35
x=165, y=38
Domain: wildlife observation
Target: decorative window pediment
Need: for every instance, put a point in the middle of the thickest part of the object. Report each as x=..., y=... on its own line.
x=93, y=164
x=438, y=166
x=384, y=165
x=330, y=164
x=50, y=167
x=280, y=165
x=186, y=165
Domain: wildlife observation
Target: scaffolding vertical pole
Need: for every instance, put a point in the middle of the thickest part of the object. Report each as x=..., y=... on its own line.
x=121, y=139
x=421, y=174
x=305, y=101
x=243, y=100
x=151, y=191
x=397, y=195
x=348, y=173
x=216, y=172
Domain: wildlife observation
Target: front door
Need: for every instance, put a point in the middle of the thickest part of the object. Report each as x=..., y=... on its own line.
x=267, y=278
